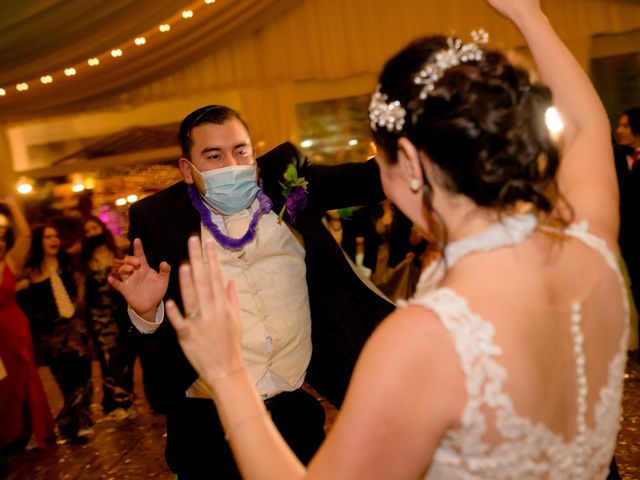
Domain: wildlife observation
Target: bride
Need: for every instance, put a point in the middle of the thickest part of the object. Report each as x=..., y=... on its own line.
x=508, y=361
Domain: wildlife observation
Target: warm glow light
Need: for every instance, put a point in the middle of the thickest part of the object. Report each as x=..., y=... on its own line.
x=121, y=201
x=187, y=14
x=116, y=52
x=21, y=87
x=306, y=143
x=89, y=183
x=209, y=2
x=553, y=120
x=132, y=198
x=78, y=187
x=165, y=27
x=3, y=92
x=93, y=62
x=24, y=186
x=46, y=79
x=140, y=41
x=69, y=72
x=353, y=142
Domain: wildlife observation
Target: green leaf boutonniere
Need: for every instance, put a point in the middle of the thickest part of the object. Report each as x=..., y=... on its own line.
x=294, y=190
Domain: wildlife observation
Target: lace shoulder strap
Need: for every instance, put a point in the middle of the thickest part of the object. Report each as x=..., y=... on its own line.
x=474, y=343
x=581, y=232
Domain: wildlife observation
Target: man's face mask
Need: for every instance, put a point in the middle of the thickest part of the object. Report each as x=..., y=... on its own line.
x=229, y=189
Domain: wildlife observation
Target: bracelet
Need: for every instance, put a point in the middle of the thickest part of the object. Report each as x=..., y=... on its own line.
x=224, y=375
x=241, y=422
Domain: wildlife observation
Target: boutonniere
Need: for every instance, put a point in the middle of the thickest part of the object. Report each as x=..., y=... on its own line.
x=294, y=190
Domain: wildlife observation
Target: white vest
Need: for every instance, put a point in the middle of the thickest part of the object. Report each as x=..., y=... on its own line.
x=270, y=276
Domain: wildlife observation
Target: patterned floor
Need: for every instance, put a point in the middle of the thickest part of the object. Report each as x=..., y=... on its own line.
x=133, y=449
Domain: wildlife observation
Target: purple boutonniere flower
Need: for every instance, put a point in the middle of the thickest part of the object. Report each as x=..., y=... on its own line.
x=294, y=190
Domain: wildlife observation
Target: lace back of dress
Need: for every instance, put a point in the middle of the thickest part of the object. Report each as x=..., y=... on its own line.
x=494, y=440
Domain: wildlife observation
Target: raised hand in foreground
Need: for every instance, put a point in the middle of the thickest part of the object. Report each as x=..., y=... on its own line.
x=142, y=287
x=210, y=332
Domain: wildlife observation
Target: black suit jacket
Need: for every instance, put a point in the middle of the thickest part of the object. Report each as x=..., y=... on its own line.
x=344, y=311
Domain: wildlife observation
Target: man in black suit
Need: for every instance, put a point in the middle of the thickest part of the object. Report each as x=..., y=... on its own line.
x=220, y=200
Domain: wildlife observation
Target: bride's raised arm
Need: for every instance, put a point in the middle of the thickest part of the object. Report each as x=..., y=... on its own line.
x=587, y=176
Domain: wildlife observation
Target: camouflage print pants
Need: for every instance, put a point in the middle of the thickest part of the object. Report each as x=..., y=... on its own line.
x=66, y=353
x=116, y=355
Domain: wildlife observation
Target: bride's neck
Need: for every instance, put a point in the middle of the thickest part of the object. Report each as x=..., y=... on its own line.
x=463, y=218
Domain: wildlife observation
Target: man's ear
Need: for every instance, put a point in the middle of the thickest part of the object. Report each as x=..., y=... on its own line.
x=409, y=160
x=184, y=165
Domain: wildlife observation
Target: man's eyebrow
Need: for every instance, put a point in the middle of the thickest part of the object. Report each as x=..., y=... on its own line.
x=210, y=149
x=244, y=144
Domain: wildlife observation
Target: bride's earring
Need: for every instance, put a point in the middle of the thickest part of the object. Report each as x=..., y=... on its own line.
x=414, y=185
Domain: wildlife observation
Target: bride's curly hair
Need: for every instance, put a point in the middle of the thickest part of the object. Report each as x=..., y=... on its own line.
x=483, y=125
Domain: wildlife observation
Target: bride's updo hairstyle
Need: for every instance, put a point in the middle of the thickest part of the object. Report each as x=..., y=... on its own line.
x=478, y=118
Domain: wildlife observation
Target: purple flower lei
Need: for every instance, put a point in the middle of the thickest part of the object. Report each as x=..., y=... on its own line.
x=227, y=242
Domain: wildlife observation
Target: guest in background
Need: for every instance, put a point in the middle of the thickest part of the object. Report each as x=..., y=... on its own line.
x=106, y=315
x=21, y=393
x=628, y=135
x=49, y=302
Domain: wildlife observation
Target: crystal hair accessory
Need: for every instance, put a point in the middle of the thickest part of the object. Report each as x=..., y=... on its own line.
x=392, y=115
x=457, y=53
x=383, y=114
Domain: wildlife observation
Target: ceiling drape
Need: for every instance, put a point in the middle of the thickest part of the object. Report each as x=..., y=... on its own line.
x=257, y=49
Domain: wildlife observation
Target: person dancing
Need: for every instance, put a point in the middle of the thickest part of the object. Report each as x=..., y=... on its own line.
x=508, y=362
x=22, y=395
x=106, y=314
x=60, y=332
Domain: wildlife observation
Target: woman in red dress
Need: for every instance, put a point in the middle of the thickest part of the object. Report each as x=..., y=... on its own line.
x=22, y=397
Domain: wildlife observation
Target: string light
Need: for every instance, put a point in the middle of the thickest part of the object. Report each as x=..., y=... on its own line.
x=132, y=198
x=353, y=142
x=116, y=52
x=24, y=186
x=121, y=202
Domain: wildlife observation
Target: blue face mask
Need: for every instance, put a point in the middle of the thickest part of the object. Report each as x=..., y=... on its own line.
x=230, y=189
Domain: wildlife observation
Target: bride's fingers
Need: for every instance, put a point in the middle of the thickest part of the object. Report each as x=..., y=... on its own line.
x=179, y=323
x=188, y=292
x=234, y=300
x=199, y=272
x=215, y=274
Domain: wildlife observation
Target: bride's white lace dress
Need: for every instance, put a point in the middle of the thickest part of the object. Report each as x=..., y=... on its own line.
x=519, y=447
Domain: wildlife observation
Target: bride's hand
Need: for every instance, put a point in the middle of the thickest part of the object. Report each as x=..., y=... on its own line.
x=210, y=333
x=514, y=9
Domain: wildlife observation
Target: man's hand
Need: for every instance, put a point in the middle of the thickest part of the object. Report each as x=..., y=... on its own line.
x=142, y=287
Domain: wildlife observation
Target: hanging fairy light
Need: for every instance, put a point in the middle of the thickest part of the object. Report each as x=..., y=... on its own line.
x=120, y=202
x=46, y=79
x=24, y=185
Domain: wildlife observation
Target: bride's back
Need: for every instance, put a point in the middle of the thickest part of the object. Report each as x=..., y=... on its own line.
x=540, y=297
